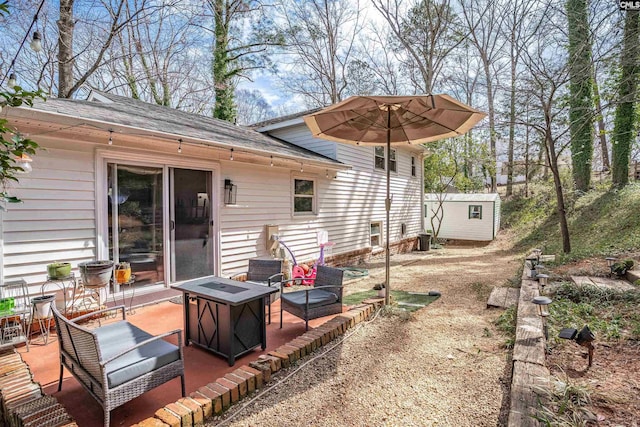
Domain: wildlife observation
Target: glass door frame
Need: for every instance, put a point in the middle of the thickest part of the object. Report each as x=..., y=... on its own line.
x=166, y=162
x=173, y=223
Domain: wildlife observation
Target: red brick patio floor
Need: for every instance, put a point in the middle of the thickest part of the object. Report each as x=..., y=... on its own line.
x=201, y=367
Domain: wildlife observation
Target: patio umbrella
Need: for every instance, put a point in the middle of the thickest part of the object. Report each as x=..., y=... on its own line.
x=392, y=120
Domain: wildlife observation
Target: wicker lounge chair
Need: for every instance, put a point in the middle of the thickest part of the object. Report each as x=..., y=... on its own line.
x=323, y=299
x=118, y=361
x=267, y=272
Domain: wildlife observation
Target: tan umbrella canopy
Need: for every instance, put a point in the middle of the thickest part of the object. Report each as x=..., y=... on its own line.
x=393, y=120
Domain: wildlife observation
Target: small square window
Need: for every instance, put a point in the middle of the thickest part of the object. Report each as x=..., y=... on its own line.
x=304, y=199
x=475, y=211
x=376, y=234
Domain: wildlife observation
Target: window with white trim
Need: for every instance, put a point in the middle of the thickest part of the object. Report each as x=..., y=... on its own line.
x=413, y=165
x=375, y=233
x=475, y=211
x=304, y=196
x=380, y=159
x=394, y=163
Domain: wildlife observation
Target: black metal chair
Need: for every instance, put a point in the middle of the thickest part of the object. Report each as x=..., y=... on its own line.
x=267, y=272
x=322, y=299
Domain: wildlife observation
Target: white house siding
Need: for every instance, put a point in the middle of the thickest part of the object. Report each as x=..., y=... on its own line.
x=301, y=136
x=456, y=223
x=56, y=221
x=355, y=198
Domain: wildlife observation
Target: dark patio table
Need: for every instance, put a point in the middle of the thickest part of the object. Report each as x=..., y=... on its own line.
x=225, y=316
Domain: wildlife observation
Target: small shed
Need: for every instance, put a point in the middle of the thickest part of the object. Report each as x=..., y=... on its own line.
x=465, y=216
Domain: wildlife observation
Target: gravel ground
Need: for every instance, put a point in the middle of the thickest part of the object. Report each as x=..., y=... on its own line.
x=440, y=366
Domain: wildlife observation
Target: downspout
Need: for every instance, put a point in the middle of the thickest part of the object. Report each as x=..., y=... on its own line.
x=422, y=210
x=493, y=226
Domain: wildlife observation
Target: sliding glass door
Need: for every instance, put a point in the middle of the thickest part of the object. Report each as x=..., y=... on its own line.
x=136, y=209
x=156, y=212
x=191, y=226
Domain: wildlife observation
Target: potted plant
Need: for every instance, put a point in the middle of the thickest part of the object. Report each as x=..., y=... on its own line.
x=96, y=274
x=620, y=268
x=380, y=288
x=43, y=306
x=123, y=272
x=59, y=270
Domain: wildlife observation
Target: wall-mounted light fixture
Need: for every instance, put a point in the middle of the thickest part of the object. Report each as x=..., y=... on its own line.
x=229, y=192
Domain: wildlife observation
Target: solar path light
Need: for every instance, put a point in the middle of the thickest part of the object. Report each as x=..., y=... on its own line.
x=543, y=280
x=543, y=302
x=610, y=261
x=583, y=338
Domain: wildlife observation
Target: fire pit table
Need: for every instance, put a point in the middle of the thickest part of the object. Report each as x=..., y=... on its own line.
x=225, y=316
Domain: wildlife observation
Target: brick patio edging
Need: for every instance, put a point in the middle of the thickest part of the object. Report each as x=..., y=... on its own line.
x=22, y=401
x=216, y=397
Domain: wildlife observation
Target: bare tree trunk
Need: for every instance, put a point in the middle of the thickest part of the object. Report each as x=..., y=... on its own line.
x=606, y=165
x=543, y=159
x=65, y=48
x=512, y=124
x=562, y=212
x=492, y=129
x=526, y=156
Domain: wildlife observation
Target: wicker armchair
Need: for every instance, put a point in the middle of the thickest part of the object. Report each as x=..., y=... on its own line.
x=323, y=299
x=118, y=361
x=267, y=272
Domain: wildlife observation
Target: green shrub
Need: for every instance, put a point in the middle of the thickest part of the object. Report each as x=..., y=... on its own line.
x=506, y=322
x=610, y=314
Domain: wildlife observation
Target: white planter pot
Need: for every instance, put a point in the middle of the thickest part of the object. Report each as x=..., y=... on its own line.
x=43, y=306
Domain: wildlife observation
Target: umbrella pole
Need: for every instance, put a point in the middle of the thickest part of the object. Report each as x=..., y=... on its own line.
x=387, y=206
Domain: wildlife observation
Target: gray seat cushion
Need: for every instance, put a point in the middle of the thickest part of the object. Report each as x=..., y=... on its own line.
x=317, y=298
x=116, y=337
x=274, y=285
